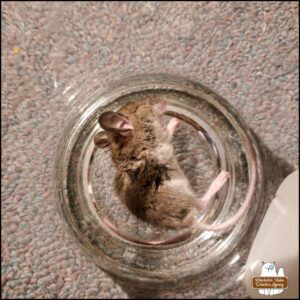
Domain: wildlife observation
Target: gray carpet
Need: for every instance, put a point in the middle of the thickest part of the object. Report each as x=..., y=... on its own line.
x=246, y=52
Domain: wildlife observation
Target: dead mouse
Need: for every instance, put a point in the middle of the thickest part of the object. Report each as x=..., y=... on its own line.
x=148, y=177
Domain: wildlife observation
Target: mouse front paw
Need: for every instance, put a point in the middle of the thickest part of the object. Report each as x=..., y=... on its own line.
x=173, y=125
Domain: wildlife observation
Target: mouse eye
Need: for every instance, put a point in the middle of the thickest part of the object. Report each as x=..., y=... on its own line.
x=133, y=157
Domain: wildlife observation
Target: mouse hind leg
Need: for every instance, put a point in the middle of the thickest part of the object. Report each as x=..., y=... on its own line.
x=171, y=221
x=186, y=222
x=214, y=187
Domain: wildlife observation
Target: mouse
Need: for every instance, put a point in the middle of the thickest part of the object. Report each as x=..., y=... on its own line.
x=148, y=178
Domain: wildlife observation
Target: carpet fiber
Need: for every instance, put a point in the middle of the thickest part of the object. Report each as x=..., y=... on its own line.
x=246, y=52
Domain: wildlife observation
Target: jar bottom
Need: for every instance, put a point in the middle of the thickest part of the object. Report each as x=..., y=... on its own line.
x=212, y=137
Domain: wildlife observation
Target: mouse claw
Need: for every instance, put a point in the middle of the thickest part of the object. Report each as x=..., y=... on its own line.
x=175, y=122
x=173, y=125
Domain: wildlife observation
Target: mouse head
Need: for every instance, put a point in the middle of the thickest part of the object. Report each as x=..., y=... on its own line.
x=133, y=132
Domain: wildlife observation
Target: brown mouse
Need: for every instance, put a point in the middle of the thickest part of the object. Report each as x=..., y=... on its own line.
x=148, y=179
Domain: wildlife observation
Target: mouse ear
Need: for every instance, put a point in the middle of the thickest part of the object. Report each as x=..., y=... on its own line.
x=114, y=122
x=102, y=139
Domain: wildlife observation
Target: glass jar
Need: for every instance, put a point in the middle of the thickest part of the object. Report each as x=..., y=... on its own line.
x=212, y=137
